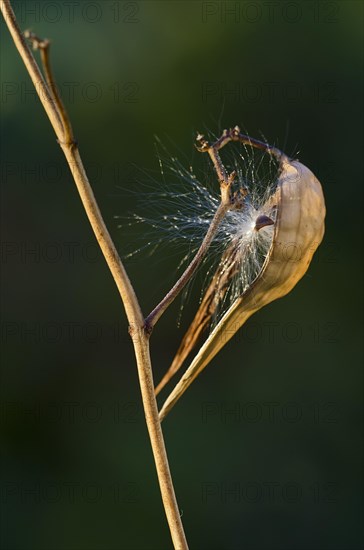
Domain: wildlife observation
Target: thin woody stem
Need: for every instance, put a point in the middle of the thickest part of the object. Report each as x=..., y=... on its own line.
x=215, y=157
x=62, y=127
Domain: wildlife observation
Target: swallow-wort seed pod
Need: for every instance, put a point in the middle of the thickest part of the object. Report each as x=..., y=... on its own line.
x=292, y=220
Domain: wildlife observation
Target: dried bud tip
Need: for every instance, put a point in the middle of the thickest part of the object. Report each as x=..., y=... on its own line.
x=262, y=221
x=203, y=145
x=37, y=43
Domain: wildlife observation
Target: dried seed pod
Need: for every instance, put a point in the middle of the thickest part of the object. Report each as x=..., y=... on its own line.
x=299, y=229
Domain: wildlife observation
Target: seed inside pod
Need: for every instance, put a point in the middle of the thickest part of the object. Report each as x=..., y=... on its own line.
x=262, y=221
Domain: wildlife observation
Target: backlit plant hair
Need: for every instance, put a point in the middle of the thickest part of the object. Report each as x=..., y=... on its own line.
x=285, y=225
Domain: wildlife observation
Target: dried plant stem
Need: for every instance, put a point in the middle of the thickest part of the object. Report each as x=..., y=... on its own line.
x=62, y=127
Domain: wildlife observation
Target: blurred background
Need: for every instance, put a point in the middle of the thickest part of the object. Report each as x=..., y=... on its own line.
x=266, y=446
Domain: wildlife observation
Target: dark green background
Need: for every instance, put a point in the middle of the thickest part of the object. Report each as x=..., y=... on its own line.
x=78, y=471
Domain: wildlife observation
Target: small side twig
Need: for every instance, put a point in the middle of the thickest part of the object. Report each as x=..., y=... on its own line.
x=43, y=45
x=158, y=311
x=227, y=203
x=234, y=134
